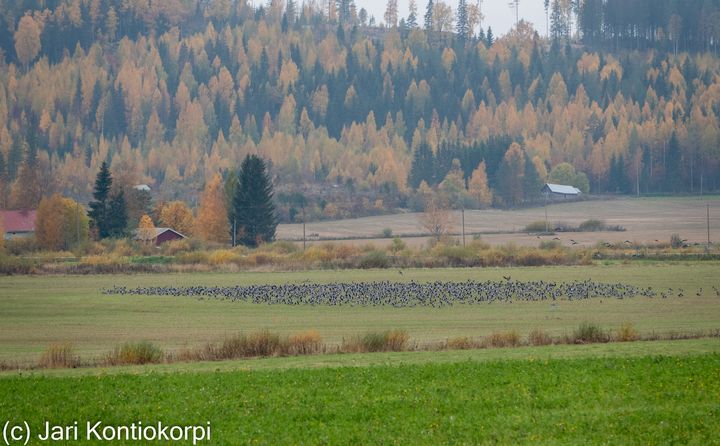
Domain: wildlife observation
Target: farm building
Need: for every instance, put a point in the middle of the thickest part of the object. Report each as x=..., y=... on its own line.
x=561, y=191
x=160, y=236
x=18, y=223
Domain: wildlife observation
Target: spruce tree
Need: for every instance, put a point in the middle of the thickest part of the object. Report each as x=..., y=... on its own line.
x=99, y=208
x=532, y=183
x=674, y=170
x=253, y=211
x=429, y=16
x=117, y=220
x=462, y=20
x=423, y=166
x=411, y=21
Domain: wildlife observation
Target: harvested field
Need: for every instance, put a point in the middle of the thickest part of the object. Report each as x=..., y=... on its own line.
x=645, y=220
x=41, y=311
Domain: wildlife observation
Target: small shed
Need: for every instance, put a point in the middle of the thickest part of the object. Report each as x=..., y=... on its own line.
x=161, y=235
x=561, y=190
x=19, y=223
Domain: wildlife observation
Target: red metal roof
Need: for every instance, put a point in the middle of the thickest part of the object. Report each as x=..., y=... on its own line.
x=18, y=221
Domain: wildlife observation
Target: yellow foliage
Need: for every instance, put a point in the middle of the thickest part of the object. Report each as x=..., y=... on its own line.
x=212, y=221
x=178, y=216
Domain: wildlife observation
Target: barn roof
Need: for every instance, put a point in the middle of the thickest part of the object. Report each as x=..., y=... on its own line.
x=562, y=189
x=157, y=233
x=18, y=221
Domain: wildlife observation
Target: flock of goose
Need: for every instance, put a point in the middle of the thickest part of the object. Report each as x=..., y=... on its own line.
x=406, y=294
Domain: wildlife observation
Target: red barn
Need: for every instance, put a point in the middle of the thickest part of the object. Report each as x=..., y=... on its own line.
x=18, y=223
x=161, y=235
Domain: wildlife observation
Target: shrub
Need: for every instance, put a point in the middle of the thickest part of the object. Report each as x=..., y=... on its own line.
x=539, y=337
x=279, y=247
x=21, y=245
x=531, y=258
x=502, y=339
x=16, y=265
x=592, y=225
x=676, y=241
x=627, y=333
x=460, y=343
x=387, y=232
x=192, y=258
x=537, y=226
x=305, y=343
x=374, y=259
x=223, y=256
x=260, y=343
x=345, y=251
x=396, y=340
x=175, y=247
x=590, y=333
x=262, y=258
x=391, y=340
x=317, y=254
x=122, y=248
x=456, y=255
x=550, y=244
x=59, y=356
x=135, y=353
x=563, y=227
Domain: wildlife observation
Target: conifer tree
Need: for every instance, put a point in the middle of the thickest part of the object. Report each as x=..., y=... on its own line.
x=532, y=183
x=99, y=208
x=423, y=166
x=411, y=21
x=253, y=211
x=26, y=192
x=462, y=20
x=429, y=15
x=117, y=218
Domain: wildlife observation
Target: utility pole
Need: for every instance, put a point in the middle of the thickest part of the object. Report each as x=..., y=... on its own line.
x=462, y=212
x=234, y=238
x=708, y=226
x=516, y=4
x=303, y=210
x=546, y=220
x=77, y=222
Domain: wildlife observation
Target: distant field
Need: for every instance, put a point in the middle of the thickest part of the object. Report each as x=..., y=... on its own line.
x=608, y=400
x=39, y=311
x=646, y=220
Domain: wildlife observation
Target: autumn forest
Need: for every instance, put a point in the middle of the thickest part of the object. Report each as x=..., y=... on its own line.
x=353, y=114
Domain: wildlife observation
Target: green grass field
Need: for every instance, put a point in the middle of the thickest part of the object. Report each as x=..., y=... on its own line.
x=605, y=400
x=40, y=310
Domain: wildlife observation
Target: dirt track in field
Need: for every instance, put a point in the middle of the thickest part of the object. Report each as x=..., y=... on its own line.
x=645, y=220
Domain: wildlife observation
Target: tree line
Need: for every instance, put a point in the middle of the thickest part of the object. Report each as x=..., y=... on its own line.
x=171, y=93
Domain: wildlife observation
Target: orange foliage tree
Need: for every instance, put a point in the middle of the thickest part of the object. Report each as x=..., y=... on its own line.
x=478, y=186
x=211, y=223
x=178, y=216
x=60, y=223
x=146, y=229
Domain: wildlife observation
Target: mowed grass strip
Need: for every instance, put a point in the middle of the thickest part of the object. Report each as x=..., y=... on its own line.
x=40, y=311
x=647, y=400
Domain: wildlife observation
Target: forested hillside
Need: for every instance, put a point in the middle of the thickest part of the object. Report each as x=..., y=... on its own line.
x=622, y=97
